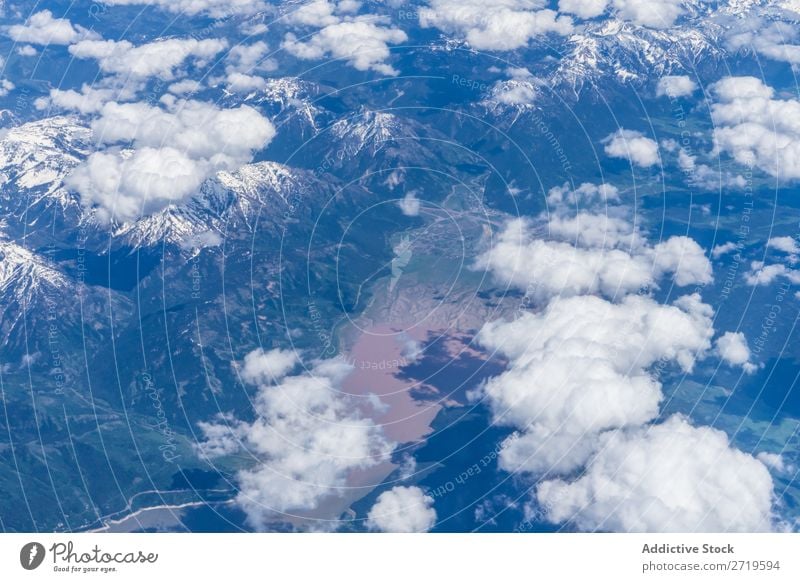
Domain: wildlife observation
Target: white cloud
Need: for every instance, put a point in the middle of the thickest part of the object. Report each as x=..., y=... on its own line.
x=175, y=148
x=670, y=477
x=773, y=461
x=185, y=87
x=724, y=249
x=632, y=146
x=772, y=40
x=585, y=194
x=6, y=87
x=410, y=204
x=508, y=25
x=583, y=8
x=755, y=128
x=593, y=230
x=214, y=8
x=650, y=13
x=703, y=176
x=90, y=99
x=243, y=61
x=590, y=263
x=126, y=186
x=520, y=90
x=547, y=268
x=682, y=256
x=248, y=58
x=317, y=13
x=732, y=348
x=675, y=86
x=582, y=384
x=43, y=28
x=241, y=83
x=160, y=58
x=201, y=240
x=363, y=42
x=200, y=129
x=402, y=510
x=592, y=249
x=787, y=244
x=27, y=51
x=308, y=437
x=761, y=274
x=580, y=367
x=514, y=93
x=262, y=367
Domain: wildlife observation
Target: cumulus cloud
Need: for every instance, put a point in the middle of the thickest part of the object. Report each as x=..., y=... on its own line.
x=363, y=42
x=761, y=274
x=308, y=437
x=6, y=87
x=669, y=477
x=509, y=25
x=261, y=367
x=773, y=460
x=632, y=146
x=650, y=13
x=317, y=13
x=675, y=86
x=246, y=58
x=241, y=83
x=242, y=62
x=705, y=177
x=27, y=51
x=773, y=40
x=585, y=194
x=732, y=348
x=126, y=187
x=590, y=263
x=580, y=367
x=520, y=90
x=201, y=240
x=547, y=268
x=43, y=28
x=157, y=156
x=755, y=128
x=786, y=244
x=410, y=204
x=185, y=87
x=583, y=8
x=582, y=384
x=591, y=248
x=160, y=58
x=90, y=99
x=683, y=257
x=402, y=510
x=723, y=249
x=214, y=8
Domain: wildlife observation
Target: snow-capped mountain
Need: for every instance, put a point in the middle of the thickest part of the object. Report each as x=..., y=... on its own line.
x=47, y=318
x=34, y=160
x=26, y=276
x=370, y=132
x=231, y=202
x=31, y=294
x=614, y=49
x=627, y=53
x=293, y=98
x=377, y=147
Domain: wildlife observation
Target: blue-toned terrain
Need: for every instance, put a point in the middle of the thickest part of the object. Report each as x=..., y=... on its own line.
x=424, y=265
